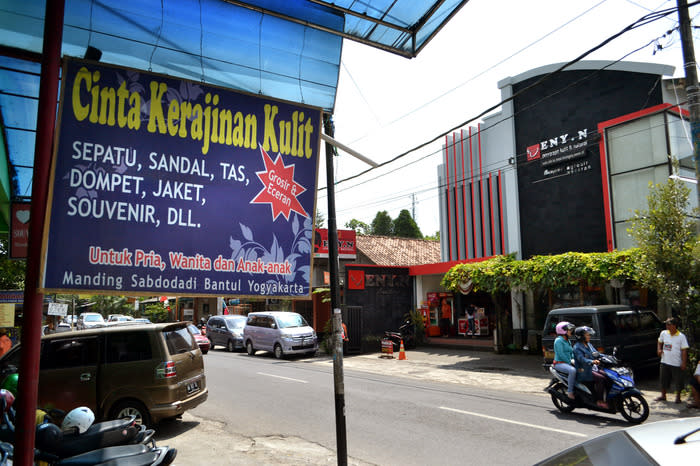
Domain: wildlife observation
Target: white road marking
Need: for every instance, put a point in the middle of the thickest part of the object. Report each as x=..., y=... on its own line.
x=285, y=378
x=567, y=432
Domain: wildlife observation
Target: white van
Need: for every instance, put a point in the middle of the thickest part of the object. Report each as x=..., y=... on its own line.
x=283, y=333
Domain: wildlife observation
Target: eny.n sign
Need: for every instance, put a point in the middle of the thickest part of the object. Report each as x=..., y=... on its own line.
x=166, y=186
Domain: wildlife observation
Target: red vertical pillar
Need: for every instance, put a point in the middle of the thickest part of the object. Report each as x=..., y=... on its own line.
x=500, y=216
x=464, y=197
x=481, y=198
x=454, y=158
x=447, y=196
x=33, y=301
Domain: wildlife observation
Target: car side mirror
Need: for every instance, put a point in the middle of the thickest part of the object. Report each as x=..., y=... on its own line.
x=273, y=325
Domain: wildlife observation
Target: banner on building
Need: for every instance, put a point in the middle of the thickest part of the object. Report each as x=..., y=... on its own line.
x=347, y=243
x=167, y=186
x=19, y=225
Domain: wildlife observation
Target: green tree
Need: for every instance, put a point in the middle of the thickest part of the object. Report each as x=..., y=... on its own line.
x=320, y=219
x=107, y=305
x=12, y=271
x=668, y=261
x=156, y=312
x=435, y=237
x=405, y=226
x=359, y=226
x=382, y=224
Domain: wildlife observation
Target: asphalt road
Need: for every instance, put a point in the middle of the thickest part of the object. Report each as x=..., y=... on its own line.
x=390, y=420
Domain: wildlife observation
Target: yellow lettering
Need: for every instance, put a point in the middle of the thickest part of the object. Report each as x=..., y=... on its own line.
x=225, y=126
x=251, y=130
x=308, y=130
x=156, y=119
x=173, y=115
x=185, y=114
x=270, y=138
x=134, y=116
x=285, y=137
x=108, y=104
x=122, y=95
x=94, y=94
x=79, y=110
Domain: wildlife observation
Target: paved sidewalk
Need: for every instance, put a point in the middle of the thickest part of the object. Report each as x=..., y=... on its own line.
x=200, y=440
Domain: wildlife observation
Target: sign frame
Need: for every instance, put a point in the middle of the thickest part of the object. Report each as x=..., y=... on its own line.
x=273, y=267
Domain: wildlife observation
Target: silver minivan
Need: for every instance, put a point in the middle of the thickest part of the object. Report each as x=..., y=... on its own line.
x=283, y=333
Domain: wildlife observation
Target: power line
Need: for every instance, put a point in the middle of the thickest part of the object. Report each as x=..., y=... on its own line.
x=481, y=73
x=646, y=19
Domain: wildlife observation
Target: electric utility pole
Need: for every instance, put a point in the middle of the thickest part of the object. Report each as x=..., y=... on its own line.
x=691, y=88
x=338, y=379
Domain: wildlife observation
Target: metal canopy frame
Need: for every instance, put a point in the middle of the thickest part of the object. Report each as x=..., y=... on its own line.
x=399, y=46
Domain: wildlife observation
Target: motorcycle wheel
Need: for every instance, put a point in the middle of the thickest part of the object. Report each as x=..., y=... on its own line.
x=634, y=408
x=560, y=405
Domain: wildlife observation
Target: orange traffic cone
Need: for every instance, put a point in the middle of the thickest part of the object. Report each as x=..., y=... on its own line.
x=402, y=353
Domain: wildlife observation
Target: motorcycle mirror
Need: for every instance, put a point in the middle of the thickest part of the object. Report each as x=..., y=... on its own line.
x=615, y=351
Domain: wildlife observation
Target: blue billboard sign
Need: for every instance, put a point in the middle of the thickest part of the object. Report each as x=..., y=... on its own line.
x=166, y=186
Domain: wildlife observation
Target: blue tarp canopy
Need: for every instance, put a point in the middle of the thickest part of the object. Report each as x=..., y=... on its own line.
x=285, y=49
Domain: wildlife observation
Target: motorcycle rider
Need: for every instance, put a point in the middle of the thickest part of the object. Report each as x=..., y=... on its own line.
x=564, y=354
x=587, y=364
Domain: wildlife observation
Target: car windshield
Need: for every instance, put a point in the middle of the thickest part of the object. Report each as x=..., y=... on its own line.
x=236, y=322
x=291, y=320
x=615, y=448
x=93, y=318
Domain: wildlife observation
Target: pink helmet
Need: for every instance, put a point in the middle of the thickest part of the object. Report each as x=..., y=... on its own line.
x=563, y=327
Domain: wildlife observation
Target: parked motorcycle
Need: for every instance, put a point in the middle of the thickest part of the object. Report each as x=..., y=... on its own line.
x=120, y=441
x=623, y=396
x=407, y=333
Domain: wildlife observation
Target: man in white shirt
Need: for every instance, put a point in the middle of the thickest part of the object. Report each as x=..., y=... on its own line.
x=673, y=349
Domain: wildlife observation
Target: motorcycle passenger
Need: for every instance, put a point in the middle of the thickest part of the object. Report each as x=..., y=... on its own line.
x=587, y=365
x=564, y=353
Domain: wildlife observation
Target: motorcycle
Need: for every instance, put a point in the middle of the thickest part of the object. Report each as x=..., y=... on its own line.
x=622, y=397
x=119, y=441
x=406, y=333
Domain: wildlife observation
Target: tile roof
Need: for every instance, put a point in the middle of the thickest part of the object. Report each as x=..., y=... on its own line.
x=391, y=250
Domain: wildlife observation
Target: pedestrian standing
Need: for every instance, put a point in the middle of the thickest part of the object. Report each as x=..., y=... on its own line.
x=5, y=342
x=446, y=314
x=672, y=348
x=695, y=387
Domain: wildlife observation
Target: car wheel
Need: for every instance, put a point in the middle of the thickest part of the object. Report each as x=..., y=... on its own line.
x=205, y=351
x=128, y=408
x=211, y=342
x=249, y=348
x=279, y=354
x=230, y=347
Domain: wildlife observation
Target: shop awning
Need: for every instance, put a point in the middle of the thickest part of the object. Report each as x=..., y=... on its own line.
x=285, y=49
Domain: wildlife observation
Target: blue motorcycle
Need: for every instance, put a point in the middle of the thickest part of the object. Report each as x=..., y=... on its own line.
x=622, y=395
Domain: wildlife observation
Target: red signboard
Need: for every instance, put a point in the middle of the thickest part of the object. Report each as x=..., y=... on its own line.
x=19, y=238
x=347, y=244
x=356, y=279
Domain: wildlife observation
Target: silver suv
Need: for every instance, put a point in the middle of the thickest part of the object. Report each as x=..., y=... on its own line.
x=283, y=333
x=90, y=320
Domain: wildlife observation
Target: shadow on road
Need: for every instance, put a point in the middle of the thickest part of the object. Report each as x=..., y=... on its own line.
x=170, y=428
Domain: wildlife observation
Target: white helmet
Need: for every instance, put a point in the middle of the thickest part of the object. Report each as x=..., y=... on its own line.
x=80, y=418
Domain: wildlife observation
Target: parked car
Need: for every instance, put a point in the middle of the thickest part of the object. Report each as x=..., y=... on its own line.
x=202, y=341
x=676, y=441
x=119, y=318
x=226, y=331
x=633, y=332
x=151, y=371
x=90, y=320
x=283, y=333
